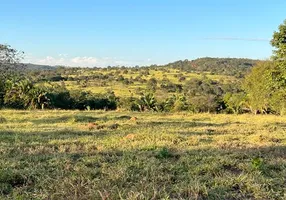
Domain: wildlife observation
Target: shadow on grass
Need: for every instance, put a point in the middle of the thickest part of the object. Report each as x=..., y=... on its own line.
x=45, y=136
x=75, y=118
x=216, y=170
x=277, y=124
x=182, y=124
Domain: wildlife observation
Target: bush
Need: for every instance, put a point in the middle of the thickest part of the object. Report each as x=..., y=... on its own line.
x=147, y=102
x=60, y=99
x=208, y=103
x=175, y=103
x=84, y=100
x=129, y=104
x=164, y=153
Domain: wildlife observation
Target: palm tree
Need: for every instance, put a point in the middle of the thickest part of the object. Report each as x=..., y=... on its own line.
x=147, y=102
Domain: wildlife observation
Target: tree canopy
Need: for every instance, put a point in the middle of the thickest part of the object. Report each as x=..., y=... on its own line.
x=266, y=84
x=279, y=43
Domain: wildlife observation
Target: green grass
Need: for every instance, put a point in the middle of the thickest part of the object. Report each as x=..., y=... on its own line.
x=59, y=155
x=122, y=90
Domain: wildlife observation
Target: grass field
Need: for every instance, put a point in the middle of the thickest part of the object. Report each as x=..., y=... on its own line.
x=122, y=90
x=122, y=155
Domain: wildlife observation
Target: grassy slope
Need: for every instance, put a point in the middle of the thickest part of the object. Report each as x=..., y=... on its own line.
x=53, y=154
x=122, y=90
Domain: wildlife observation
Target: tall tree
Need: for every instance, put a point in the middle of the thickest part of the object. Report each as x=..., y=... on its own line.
x=258, y=85
x=279, y=56
x=9, y=61
x=9, y=66
x=266, y=84
x=279, y=43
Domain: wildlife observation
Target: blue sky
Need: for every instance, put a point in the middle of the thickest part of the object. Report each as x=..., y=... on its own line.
x=138, y=32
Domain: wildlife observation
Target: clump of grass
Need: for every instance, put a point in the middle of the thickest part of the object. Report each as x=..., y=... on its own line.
x=81, y=118
x=9, y=180
x=2, y=120
x=5, y=188
x=257, y=163
x=164, y=153
x=113, y=126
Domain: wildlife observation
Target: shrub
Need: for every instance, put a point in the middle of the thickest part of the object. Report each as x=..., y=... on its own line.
x=129, y=103
x=164, y=153
x=60, y=99
x=82, y=100
x=175, y=103
x=147, y=102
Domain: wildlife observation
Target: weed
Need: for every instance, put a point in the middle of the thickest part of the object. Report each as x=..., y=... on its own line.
x=257, y=163
x=164, y=153
x=2, y=120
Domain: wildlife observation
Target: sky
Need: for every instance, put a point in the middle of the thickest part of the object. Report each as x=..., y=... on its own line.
x=138, y=32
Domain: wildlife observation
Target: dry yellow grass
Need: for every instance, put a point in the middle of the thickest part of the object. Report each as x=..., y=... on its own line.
x=54, y=155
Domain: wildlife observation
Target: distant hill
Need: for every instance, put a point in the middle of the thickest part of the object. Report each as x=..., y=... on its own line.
x=38, y=67
x=226, y=66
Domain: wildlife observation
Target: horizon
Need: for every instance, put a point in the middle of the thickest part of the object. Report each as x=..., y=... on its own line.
x=111, y=33
x=190, y=60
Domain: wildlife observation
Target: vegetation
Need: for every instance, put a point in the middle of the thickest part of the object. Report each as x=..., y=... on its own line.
x=266, y=84
x=132, y=155
x=237, y=67
x=171, y=136
x=122, y=88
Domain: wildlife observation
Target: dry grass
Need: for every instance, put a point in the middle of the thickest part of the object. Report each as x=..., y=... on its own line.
x=123, y=90
x=58, y=155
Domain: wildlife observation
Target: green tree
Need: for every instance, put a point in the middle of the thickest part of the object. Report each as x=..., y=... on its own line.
x=235, y=101
x=258, y=85
x=9, y=66
x=9, y=61
x=279, y=57
x=279, y=43
x=152, y=85
x=266, y=83
x=278, y=100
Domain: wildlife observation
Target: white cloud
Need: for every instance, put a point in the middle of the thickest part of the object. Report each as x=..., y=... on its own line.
x=63, y=54
x=84, y=61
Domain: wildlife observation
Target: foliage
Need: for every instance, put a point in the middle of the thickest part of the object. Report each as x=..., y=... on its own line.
x=279, y=43
x=227, y=66
x=147, y=102
x=235, y=102
x=176, y=103
x=129, y=103
x=266, y=83
x=257, y=163
x=259, y=87
x=9, y=67
x=9, y=62
x=164, y=153
x=82, y=100
x=183, y=86
x=152, y=85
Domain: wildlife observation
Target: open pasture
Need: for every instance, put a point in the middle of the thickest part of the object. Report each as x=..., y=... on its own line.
x=130, y=155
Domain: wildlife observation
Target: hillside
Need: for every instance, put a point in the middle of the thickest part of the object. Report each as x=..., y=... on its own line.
x=224, y=66
x=31, y=66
